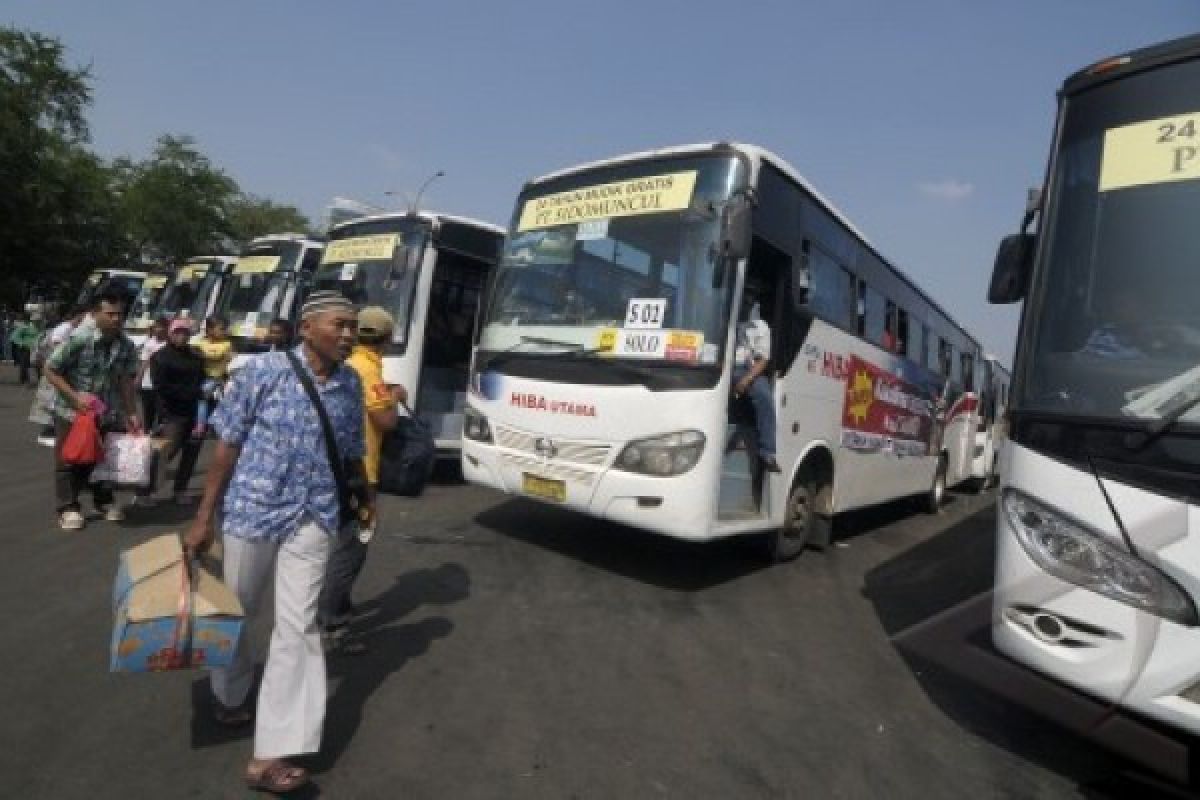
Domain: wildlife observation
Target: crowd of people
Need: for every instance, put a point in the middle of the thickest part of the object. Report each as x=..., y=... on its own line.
x=290, y=487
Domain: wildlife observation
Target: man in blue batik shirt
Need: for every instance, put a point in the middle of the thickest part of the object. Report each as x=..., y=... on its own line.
x=279, y=518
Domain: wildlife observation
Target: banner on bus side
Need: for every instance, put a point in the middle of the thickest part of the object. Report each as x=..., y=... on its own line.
x=884, y=413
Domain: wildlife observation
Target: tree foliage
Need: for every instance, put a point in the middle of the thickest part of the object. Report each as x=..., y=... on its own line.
x=251, y=216
x=65, y=211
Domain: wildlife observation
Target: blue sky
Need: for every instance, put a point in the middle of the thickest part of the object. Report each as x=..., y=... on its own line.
x=924, y=121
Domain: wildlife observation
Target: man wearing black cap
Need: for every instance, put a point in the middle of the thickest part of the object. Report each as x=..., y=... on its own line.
x=280, y=516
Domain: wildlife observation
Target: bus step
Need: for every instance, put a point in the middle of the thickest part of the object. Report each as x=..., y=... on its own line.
x=737, y=494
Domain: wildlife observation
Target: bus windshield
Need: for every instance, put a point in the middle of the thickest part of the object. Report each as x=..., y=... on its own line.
x=141, y=313
x=376, y=266
x=626, y=248
x=180, y=295
x=256, y=285
x=1114, y=331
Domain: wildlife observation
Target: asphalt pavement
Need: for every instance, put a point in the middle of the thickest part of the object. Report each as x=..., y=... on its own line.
x=516, y=650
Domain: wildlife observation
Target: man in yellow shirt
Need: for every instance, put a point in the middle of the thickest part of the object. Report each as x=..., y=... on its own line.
x=380, y=400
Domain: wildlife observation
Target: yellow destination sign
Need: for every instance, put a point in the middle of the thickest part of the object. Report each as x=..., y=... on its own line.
x=649, y=195
x=360, y=248
x=155, y=282
x=249, y=265
x=1155, y=151
x=191, y=272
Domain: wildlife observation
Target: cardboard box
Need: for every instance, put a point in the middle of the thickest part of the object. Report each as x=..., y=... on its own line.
x=147, y=632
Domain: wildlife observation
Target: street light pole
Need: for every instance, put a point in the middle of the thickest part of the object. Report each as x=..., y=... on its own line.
x=417, y=201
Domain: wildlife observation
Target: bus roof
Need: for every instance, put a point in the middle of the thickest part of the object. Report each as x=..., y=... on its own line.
x=429, y=216
x=1132, y=62
x=272, y=238
x=757, y=156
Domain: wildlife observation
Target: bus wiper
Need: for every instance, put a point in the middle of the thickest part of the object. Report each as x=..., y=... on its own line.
x=541, y=340
x=1184, y=398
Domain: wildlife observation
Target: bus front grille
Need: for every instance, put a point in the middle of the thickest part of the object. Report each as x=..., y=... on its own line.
x=556, y=450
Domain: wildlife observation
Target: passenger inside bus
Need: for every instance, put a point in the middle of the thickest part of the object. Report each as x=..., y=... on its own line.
x=751, y=359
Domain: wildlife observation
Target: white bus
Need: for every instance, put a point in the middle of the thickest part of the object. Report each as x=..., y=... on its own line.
x=1098, y=533
x=991, y=427
x=428, y=270
x=127, y=283
x=602, y=369
x=191, y=292
x=267, y=282
x=141, y=312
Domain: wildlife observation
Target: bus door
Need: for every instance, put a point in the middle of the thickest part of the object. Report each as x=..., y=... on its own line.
x=450, y=313
x=767, y=285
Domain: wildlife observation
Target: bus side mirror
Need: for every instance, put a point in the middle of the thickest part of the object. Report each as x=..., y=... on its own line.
x=1010, y=275
x=735, y=233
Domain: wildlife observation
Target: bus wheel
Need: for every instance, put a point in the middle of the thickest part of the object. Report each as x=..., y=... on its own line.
x=936, y=496
x=802, y=524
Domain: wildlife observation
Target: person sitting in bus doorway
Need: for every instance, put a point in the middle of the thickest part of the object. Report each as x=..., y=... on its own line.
x=335, y=608
x=279, y=335
x=751, y=358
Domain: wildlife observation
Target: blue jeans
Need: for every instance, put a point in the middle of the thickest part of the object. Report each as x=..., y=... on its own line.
x=764, y=409
x=206, y=400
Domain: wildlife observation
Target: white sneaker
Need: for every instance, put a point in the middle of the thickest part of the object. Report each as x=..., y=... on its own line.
x=46, y=441
x=113, y=513
x=70, y=520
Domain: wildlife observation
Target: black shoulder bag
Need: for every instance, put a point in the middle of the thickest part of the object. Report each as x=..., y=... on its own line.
x=352, y=492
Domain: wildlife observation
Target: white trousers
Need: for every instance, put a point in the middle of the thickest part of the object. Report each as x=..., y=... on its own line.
x=291, y=700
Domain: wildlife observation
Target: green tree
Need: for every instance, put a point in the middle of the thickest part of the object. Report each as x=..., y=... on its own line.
x=250, y=216
x=174, y=204
x=55, y=205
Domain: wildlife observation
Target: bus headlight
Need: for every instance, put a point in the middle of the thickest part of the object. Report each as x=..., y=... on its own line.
x=475, y=426
x=666, y=455
x=1073, y=553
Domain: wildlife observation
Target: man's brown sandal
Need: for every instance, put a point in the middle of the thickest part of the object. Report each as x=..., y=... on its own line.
x=277, y=777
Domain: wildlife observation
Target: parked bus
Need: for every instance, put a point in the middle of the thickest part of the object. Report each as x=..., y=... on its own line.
x=127, y=283
x=197, y=287
x=1098, y=567
x=991, y=430
x=139, y=316
x=268, y=281
x=602, y=368
x=428, y=270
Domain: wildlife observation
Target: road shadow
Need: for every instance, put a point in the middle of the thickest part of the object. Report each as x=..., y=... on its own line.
x=852, y=524
x=390, y=647
x=934, y=603
x=645, y=557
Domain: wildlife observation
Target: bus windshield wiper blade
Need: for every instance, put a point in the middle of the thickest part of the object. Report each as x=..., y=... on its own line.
x=542, y=340
x=1157, y=427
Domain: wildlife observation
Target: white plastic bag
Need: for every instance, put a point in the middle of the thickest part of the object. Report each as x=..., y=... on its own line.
x=128, y=460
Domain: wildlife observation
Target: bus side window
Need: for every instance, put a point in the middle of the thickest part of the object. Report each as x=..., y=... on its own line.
x=902, y=342
x=968, y=372
x=876, y=318
x=831, y=288
x=860, y=308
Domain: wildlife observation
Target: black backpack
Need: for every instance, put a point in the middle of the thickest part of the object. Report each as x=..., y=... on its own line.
x=406, y=457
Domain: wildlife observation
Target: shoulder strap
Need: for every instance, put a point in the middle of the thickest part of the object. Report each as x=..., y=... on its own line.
x=331, y=448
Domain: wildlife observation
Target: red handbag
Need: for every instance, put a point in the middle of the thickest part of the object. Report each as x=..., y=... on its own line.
x=83, y=446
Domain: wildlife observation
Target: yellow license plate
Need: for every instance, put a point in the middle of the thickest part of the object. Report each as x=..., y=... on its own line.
x=544, y=487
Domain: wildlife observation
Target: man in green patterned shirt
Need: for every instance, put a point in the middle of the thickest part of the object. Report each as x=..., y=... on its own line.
x=96, y=366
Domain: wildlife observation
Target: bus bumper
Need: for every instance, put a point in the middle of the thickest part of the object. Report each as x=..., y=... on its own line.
x=669, y=506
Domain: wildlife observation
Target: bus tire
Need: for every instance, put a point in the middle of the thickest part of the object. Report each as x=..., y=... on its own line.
x=802, y=525
x=936, y=496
